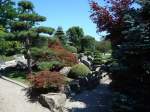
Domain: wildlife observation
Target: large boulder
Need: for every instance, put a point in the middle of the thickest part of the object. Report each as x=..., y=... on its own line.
x=84, y=59
x=54, y=101
x=65, y=71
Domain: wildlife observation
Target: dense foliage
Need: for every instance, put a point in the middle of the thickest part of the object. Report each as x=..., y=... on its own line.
x=51, y=81
x=52, y=65
x=129, y=32
x=9, y=48
x=25, y=30
x=74, y=35
x=63, y=55
x=7, y=13
x=87, y=43
x=103, y=46
x=78, y=71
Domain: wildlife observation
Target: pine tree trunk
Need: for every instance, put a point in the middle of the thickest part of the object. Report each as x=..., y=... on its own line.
x=29, y=63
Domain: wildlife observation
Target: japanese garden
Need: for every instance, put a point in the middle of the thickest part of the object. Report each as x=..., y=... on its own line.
x=68, y=69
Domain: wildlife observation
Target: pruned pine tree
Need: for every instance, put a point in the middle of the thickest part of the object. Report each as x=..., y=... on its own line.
x=24, y=27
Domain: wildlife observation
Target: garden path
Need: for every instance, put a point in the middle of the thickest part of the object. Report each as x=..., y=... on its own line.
x=13, y=99
x=96, y=100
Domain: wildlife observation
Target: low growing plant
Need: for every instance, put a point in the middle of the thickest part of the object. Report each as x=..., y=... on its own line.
x=46, y=80
x=79, y=70
x=51, y=65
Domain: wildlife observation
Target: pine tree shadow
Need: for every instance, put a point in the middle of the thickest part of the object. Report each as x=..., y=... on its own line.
x=96, y=100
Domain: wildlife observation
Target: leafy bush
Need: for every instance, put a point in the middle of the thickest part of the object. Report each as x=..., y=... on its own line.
x=71, y=48
x=51, y=81
x=52, y=65
x=79, y=70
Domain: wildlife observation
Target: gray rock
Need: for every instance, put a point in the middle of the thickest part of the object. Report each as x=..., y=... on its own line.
x=90, y=58
x=98, y=69
x=87, y=63
x=65, y=71
x=54, y=101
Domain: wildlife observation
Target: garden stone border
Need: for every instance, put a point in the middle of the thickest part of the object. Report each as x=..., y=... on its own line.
x=15, y=82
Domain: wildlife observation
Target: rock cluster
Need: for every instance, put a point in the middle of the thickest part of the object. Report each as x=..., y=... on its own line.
x=54, y=101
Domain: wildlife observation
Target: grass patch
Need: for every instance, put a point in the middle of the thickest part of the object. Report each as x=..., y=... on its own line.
x=6, y=58
x=19, y=76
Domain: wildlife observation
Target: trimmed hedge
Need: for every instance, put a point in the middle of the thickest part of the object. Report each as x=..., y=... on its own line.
x=79, y=70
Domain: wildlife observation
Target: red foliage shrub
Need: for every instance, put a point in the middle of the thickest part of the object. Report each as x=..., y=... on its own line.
x=110, y=18
x=64, y=56
x=47, y=80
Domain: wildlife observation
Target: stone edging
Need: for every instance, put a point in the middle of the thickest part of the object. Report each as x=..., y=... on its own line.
x=15, y=82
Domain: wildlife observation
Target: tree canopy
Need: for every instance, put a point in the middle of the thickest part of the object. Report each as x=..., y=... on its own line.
x=74, y=35
x=129, y=32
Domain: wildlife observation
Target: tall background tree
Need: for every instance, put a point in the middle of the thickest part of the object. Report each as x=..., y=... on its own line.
x=103, y=46
x=74, y=35
x=88, y=43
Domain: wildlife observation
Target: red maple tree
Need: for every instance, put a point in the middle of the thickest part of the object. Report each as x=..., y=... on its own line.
x=63, y=55
x=110, y=17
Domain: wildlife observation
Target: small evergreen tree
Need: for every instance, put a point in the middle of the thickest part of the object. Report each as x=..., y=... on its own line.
x=60, y=35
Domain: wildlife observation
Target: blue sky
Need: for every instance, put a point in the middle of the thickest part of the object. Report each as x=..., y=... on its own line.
x=66, y=13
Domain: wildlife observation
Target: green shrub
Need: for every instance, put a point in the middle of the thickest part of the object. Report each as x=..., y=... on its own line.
x=52, y=65
x=97, y=61
x=79, y=70
x=71, y=48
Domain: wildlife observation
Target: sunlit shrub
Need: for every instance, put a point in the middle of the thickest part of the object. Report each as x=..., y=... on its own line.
x=52, y=81
x=51, y=65
x=79, y=70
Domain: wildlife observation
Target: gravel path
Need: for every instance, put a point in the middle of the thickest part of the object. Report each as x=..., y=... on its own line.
x=13, y=99
x=97, y=100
